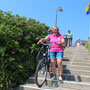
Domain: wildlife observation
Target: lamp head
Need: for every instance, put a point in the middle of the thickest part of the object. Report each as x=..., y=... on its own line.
x=60, y=10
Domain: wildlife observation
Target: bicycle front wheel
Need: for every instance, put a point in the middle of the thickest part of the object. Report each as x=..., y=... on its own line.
x=41, y=73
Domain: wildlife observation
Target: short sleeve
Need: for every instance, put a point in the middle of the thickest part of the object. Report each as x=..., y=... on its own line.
x=49, y=36
x=62, y=36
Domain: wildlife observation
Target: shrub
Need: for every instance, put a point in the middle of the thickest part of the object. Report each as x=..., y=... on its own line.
x=87, y=46
x=18, y=47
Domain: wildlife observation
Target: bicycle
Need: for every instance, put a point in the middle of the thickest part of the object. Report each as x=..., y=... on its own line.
x=43, y=66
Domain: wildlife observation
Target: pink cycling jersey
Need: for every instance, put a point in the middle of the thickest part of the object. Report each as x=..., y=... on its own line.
x=56, y=39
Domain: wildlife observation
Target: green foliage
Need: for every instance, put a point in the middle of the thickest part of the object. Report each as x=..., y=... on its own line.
x=87, y=46
x=18, y=47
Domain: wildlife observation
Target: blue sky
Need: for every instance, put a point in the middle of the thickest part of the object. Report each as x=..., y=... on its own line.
x=73, y=16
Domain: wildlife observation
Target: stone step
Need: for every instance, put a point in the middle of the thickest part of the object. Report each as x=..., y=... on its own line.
x=34, y=87
x=68, y=53
x=78, y=78
x=81, y=57
x=78, y=67
x=76, y=56
x=76, y=72
x=70, y=48
x=76, y=52
x=71, y=77
x=76, y=85
x=74, y=60
x=74, y=75
x=66, y=59
x=60, y=84
x=77, y=63
x=78, y=59
x=67, y=64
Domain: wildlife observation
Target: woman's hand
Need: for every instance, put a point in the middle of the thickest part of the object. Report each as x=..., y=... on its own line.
x=58, y=43
x=40, y=41
x=62, y=41
x=43, y=40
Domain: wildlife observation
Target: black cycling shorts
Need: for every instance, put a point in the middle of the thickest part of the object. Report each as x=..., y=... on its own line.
x=70, y=39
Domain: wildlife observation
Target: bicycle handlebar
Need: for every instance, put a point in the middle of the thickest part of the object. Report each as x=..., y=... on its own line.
x=46, y=44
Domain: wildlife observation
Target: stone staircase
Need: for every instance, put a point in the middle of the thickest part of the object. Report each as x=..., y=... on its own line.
x=76, y=72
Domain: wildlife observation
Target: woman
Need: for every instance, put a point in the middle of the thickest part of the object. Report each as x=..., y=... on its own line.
x=50, y=31
x=56, y=51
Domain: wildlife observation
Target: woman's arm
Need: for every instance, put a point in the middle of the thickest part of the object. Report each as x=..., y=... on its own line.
x=71, y=34
x=43, y=40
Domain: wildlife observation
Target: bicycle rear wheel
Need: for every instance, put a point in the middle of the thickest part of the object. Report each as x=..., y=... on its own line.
x=41, y=73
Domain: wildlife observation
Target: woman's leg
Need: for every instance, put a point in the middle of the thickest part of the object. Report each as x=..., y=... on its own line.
x=68, y=42
x=53, y=62
x=60, y=69
x=53, y=66
x=71, y=42
x=59, y=56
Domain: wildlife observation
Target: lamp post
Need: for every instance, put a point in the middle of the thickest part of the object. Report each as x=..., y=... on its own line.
x=58, y=9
